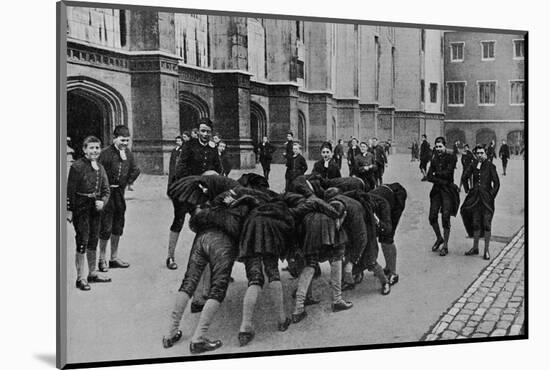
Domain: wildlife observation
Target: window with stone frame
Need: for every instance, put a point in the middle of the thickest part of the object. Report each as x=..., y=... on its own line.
x=518, y=49
x=487, y=50
x=455, y=93
x=457, y=51
x=487, y=92
x=517, y=90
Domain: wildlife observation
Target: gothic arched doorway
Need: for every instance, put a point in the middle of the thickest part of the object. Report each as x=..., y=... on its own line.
x=192, y=108
x=455, y=135
x=258, y=123
x=84, y=118
x=93, y=108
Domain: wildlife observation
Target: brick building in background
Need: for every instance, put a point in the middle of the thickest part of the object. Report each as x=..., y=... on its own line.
x=159, y=73
x=484, y=78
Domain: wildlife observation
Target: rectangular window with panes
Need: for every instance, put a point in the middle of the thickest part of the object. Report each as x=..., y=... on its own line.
x=457, y=51
x=518, y=49
x=487, y=50
x=517, y=89
x=455, y=93
x=487, y=92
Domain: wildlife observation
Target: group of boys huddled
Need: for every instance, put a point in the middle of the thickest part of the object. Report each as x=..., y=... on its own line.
x=320, y=217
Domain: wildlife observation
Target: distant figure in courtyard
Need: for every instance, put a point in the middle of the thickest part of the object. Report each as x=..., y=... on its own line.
x=504, y=154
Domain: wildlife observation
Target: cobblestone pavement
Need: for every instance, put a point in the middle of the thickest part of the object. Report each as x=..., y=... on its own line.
x=493, y=305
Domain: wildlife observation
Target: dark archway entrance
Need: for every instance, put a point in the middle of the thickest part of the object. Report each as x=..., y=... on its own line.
x=192, y=108
x=258, y=123
x=455, y=135
x=93, y=108
x=515, y=141
x=84, y=118
x=189, y=116
x=485, y=136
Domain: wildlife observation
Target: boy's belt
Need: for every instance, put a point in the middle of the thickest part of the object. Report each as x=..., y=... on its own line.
x=87, y=195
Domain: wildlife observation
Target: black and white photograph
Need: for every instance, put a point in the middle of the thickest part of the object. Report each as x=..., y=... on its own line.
x=238, y=184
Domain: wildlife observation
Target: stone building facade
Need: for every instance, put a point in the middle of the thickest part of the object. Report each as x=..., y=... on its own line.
x=485, y=87
x=159, y=73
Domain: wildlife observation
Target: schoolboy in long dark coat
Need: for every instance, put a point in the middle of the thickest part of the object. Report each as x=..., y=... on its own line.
x=479, y=206
x=288, y=147
x=466, y=159
x=380, y=160
x=87, y=193
x=265, y=237
x=365, y=167
x=265, y=150
x=356, y=229
x=122, y=170
x=504, y=154
x=444, y=197
x=327, y=167
x=396, y=196
x=296, y=165
x=197, y=157
x=174, y=160
x=425, y=155
x=353, y=152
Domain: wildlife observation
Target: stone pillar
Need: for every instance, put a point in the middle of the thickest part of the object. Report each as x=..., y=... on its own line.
x=229, y=52
x=154, y=89
x=232, y=116
x=282, y=56
x=320, y=117
x=283, y=116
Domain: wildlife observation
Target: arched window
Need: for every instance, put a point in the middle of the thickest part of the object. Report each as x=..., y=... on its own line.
x=256, y=49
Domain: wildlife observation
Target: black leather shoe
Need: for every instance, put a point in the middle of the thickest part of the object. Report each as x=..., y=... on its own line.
x=204, y=346
x=386, y=289
x=341, y=306
x=437, y=244
x=282, y=326
x=245, y=337
x=311, y=301
x=82, y=285
x=347, y=286
x=393, y=278
x=169, y=342
x=486, y=256
x=98, y=279
x=114, y=264
x=171, y=264
x=102, y=266
x=196, y=307
x=296, y=318
x=443, y=252
x=472, y=252
x=358, y=278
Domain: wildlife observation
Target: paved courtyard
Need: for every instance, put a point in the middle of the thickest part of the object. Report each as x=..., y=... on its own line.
x=127, y=318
